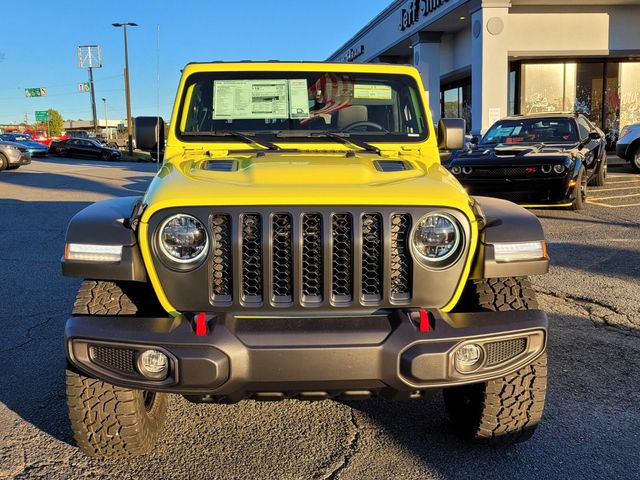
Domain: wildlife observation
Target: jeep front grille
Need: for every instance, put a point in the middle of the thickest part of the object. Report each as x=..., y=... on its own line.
x=310, y=258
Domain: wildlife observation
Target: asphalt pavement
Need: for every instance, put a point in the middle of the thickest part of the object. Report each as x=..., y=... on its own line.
x=590, y=429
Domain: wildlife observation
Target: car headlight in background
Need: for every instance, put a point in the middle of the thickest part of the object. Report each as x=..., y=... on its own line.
x=559, y=168
x=183, y=239
x=456, y=170
x=624, y=131
x=435, y=240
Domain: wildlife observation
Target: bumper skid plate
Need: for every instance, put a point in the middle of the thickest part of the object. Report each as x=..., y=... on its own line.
x=314, y=357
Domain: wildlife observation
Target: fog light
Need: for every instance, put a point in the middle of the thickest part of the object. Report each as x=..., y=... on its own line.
x=468, y=358
x=153, y=364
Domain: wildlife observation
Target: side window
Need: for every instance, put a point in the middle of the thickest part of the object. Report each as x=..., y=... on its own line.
x=583, y=128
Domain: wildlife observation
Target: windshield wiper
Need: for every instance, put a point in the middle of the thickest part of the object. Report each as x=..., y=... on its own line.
x=247, y=137
x=342, y=137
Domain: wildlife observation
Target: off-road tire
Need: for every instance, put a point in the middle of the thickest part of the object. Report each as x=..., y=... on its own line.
x=600, y=178
x=506, y=410
x=107, y=420
x=4, y=163
x=581, y=195
x=635, y=159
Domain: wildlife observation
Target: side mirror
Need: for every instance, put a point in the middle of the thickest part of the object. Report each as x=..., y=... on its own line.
x=149, y=133
x=594, y=136
x=451, y=133
x=474, y=140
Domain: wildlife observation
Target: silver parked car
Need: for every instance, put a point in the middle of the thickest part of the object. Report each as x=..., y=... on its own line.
x=628, y=146
x=13, y=155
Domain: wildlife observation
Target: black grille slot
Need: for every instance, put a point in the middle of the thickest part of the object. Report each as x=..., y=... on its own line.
x=220, y=266
x=372, y=257
x=312, y=258
x=498, y=352
x=501, y=172
x=282, y=258
x=252, y=257
x=342, y=258
x=400, y=258
x=121, y=359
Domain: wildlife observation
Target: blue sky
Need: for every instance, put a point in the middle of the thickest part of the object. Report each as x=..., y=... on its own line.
x=39, y=39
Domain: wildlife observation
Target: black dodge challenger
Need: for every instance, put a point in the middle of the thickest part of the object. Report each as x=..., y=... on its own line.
x=535, y=160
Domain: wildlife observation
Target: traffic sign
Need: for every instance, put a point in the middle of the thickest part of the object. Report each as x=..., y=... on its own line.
x=42, y=115
x=84, y=87
x=35, y=92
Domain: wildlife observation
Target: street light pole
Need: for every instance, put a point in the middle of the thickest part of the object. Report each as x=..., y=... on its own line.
x=106, y=119
x=126, y=83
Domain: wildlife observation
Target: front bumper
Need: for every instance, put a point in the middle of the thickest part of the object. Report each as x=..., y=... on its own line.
x=621, y=150
x=310, y=358
x=555, y=191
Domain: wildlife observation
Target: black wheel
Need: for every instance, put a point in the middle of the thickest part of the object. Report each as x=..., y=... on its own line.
x=106, y=156
x=4, y=163
x=107, y=420
x=506, y=410
x=599, y=179
x=581, y=192
x=635, y=159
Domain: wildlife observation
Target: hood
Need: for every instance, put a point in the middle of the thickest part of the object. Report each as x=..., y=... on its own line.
x=35, y=145
x=302, y=179
x=509, y=154
x=13, y=144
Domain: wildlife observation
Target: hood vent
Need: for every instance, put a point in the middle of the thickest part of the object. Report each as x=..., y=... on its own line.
x=392, y=165
x=220, y=165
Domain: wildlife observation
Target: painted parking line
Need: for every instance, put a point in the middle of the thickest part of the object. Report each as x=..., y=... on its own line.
x=635, y=187
x=623, y=181
x=612, y=197
x=591, y=202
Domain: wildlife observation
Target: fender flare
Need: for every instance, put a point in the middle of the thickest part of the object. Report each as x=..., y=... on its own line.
x=505, y=222
x=108, y=222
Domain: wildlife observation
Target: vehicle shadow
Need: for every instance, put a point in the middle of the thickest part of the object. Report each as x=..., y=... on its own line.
x=60, y=181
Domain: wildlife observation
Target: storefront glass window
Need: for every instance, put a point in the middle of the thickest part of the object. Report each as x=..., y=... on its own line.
x=629, y=93
x=589, y=86
x=542, y=88
x=452, y=103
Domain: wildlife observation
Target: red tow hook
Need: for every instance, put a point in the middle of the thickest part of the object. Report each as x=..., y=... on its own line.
x=201, y=324
x=423, y=320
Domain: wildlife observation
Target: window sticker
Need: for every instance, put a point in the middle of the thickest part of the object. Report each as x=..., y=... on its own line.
x=250, y=99
x=298, y=99
x=375, y=92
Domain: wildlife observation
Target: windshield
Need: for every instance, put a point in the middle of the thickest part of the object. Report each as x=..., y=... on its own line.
x=374, y=107
x=536, y=130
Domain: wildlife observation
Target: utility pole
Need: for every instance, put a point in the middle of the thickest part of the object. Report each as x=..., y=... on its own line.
x=106, y=119
x=126, y=83
x=89, y=56
x=93, y=102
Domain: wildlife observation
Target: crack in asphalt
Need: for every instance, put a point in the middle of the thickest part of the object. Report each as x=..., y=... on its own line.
x=29, y=338
x=352, y=447
x=598, y=320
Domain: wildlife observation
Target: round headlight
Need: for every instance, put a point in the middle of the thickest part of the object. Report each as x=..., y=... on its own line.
x=467, y=170
x=183, y=239
x=436, y=238
x=559, y=168
x=456, y=170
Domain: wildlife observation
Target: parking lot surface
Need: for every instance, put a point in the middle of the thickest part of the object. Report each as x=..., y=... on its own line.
x=591, y=426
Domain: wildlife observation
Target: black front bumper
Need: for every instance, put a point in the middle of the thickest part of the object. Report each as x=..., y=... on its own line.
x=524, y=191
x=273, y=358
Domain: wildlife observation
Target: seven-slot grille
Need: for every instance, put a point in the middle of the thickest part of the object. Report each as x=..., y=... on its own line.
x=310, y=258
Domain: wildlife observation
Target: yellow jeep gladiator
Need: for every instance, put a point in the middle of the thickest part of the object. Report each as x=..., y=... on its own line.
x=301, y=240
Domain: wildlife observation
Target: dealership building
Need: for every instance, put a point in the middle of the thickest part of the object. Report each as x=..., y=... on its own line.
x=484, y=59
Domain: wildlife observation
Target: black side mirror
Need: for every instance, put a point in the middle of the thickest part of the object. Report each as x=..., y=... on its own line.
x=149, y=133
x=451, y=133
x=594, y=136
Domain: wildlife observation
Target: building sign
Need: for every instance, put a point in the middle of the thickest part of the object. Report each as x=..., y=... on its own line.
x=418, y=8
x=354, y=53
